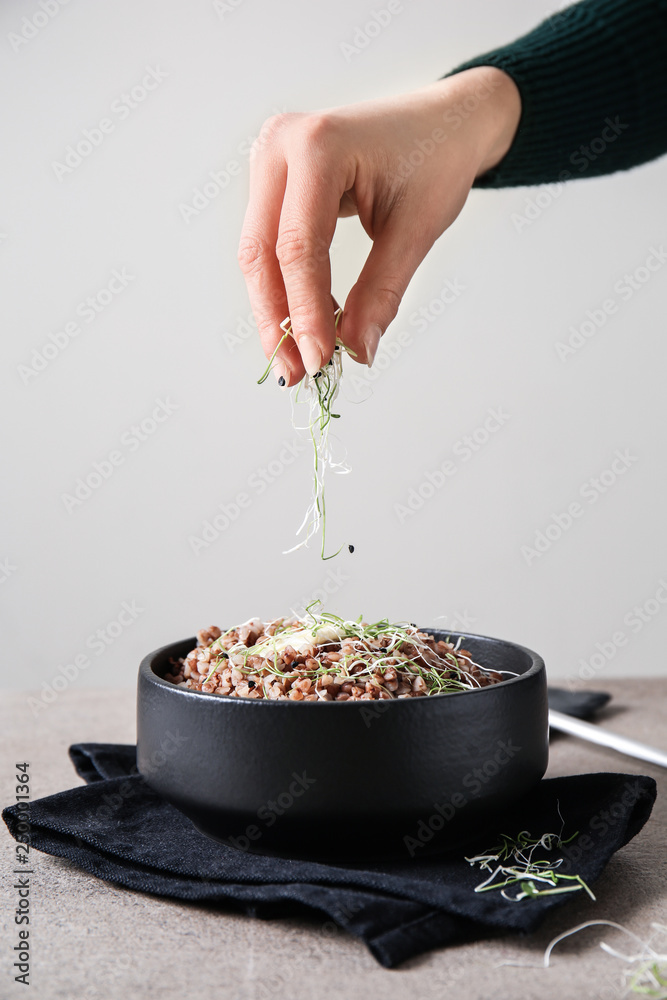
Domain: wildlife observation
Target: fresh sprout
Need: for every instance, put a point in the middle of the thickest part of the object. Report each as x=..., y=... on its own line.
x=646, y=970
x=402, y=646
x=286, y=327
x=321, y=391
x=648, y=967
x=511, y=863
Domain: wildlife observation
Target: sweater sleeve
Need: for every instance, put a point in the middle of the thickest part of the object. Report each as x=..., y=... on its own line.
x=593, y=85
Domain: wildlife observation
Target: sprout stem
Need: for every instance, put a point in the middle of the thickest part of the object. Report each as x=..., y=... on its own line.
x=322, y=389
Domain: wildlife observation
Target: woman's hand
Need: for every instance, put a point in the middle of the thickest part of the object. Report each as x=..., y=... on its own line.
x=404, y=165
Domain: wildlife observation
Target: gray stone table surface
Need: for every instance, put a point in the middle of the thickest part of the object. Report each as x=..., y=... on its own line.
x=94, y=941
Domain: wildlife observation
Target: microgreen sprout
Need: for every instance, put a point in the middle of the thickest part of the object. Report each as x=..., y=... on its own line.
x=321, y=390
x=646, y=970
x=369, y=648
x=287, y=329
x=511, y=863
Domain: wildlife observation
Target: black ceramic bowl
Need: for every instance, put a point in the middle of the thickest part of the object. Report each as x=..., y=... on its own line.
x=401, y=777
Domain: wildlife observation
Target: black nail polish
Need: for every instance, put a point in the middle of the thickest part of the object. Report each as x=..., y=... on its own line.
x=350, y=548
x=281, y=380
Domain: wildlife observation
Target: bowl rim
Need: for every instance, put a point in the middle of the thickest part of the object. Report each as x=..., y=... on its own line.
x=536, y=667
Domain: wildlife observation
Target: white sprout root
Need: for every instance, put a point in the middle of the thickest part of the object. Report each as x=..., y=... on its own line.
x=321, y=391
x=646, y=970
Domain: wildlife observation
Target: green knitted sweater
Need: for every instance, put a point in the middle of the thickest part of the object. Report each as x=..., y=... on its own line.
x=593, y=84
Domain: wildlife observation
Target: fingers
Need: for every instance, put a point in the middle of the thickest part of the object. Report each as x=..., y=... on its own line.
x=258, y=261
x=374, y=300
x=295, y=198
x=306, y=228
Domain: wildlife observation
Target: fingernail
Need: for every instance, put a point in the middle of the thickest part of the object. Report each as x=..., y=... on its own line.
x=310, y=353
x=281, y=371
x=371, y=341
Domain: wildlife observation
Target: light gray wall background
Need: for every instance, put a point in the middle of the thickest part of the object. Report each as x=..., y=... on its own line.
x=593, y=603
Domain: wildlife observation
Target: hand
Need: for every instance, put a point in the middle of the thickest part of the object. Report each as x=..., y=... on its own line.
x=404, y=165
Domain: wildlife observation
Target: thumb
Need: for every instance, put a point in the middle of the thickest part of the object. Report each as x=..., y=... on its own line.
x=374, y=300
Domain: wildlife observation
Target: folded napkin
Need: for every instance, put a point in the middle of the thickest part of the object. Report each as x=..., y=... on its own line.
x=117, y=828
x=581, y=704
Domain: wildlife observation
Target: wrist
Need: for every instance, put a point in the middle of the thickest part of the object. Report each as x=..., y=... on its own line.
x=483, y=105
x=500, y=115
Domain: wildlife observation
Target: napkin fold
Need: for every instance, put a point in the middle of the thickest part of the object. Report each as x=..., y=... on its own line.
x=117, y=828
x=581, y=704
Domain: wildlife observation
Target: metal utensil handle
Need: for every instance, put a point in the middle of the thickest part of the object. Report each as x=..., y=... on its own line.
x=595, y=734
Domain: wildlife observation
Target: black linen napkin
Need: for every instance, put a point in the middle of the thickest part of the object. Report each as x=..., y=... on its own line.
x=581, y=704
x=118, y=829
